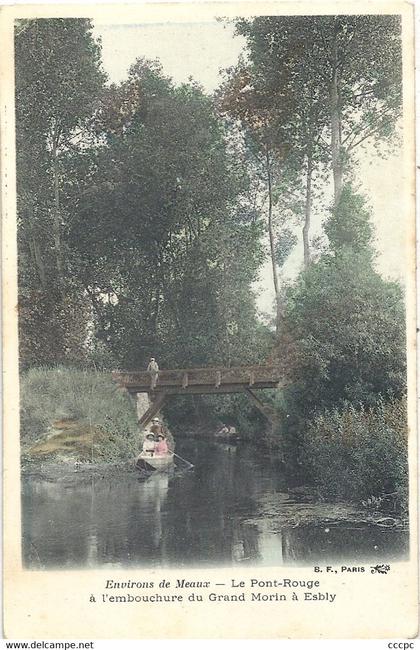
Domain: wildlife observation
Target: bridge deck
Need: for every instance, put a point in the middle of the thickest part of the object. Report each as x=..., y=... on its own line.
x=200, y=380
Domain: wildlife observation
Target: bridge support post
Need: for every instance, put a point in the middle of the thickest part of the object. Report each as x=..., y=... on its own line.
x=153, y=409
x=142, y=404
x=270, y=414
x=266, y=410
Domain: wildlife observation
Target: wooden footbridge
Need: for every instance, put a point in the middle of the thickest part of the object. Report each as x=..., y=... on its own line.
x=199, y=381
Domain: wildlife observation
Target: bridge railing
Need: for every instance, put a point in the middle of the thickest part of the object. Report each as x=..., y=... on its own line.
x=248, y=375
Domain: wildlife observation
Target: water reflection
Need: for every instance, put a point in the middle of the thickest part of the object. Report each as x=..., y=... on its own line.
x=221, y=513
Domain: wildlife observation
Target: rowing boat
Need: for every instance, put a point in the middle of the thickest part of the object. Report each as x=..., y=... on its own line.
x=158, y=463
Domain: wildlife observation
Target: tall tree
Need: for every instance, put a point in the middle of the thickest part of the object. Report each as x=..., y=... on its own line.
x=284, y=99
x=344, y=333
x=58, y=81
x=353, y=64
x=275, y=162
x=173, y=243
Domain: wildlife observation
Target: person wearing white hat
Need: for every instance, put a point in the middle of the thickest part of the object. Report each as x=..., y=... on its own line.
x=149, y=443
x=156, y=427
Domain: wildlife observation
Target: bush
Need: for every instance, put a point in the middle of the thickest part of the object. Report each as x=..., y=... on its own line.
x=50, y=394
x=359, y=454
x=53, y=328
x=342, y=338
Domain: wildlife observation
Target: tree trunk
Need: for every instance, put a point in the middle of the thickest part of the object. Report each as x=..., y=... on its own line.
x=335, y=116
x=156, y=312
x=56, y=213
x=39, y=264
x=35, y=249
x=308, y=209
x=272, y=242
x=157, y=291
x=226, y=312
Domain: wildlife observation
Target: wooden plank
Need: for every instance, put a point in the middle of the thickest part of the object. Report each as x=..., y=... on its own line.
x=154, y=408
x=196, y=381
x=266, y=409
x=202, y=390
x=239, y=374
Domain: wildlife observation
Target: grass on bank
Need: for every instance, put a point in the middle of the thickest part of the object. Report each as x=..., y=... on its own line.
x=79, y=413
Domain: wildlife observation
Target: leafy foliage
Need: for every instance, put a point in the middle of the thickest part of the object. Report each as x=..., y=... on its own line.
x=285, y=242
x=342, y=346
x=348, y=228
x=172, y=246
x=311, y=90
x=157, y=244
x=58, y=82
x=344, y=333
x=52, y=326
x=359, y=454
x=304, y=55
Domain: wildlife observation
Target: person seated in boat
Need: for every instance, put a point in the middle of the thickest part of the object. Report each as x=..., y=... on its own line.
x=149, y=444
x=223, y=431
x=156, y=427
x=232, y=431
x=161, y=446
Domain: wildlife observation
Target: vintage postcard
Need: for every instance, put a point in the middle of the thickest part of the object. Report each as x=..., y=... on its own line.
x=208, y=262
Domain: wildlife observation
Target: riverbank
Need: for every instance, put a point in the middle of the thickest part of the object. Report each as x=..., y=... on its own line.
x=74, y=473
x=75, y=415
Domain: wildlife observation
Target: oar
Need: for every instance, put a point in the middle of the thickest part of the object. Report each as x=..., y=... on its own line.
x=183, y=459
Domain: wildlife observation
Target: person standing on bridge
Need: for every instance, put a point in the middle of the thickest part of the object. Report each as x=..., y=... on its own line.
x=153, y=369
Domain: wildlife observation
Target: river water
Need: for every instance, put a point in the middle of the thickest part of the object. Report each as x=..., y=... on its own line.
x=232, y=508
